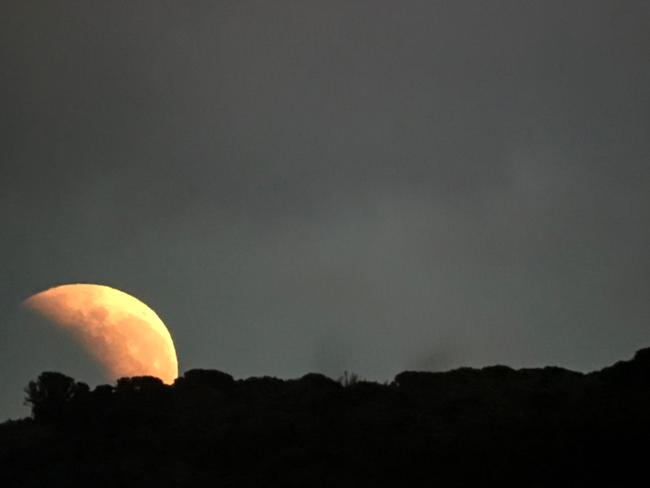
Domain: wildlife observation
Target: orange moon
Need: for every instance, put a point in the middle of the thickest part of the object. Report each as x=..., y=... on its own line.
x=123, y=334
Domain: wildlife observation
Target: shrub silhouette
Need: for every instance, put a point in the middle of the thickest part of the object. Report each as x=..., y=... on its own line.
x=495, y=426
x=135, y=384
x=206, y=378
x=51, y=393
x=348, y=379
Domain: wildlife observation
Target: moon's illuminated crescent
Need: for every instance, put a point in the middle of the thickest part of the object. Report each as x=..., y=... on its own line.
x=121, y=332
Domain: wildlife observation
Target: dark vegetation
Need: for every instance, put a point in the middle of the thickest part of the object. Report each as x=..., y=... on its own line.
x=464, y=428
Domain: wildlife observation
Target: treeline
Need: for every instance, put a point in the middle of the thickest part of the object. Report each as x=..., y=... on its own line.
x=468, y=427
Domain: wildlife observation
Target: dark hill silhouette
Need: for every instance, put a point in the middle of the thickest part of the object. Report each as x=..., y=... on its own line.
x=494, y=426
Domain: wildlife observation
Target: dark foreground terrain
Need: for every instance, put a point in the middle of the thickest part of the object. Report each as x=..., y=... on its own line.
x=464, y=428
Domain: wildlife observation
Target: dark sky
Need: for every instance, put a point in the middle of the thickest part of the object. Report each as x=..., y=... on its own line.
x=304, y=186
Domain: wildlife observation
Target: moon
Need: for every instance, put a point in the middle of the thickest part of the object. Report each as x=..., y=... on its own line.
x=124, y=335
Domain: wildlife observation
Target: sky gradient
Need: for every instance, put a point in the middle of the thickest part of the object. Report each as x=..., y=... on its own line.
x=368, y=186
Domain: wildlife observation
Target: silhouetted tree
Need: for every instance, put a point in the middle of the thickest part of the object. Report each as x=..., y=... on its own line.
x=348, y=379
x=496, y=426
x=139, y=384
x=206, y=377
x=51, y=393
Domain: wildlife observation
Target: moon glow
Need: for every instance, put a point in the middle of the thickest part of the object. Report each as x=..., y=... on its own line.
x=123, y=334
